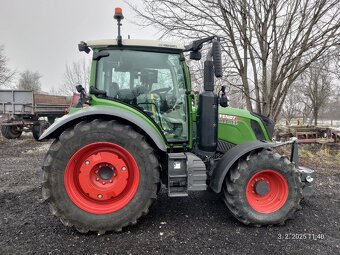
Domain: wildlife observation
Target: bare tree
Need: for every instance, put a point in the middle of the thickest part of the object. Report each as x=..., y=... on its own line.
x=295, y=104
x=6, y=75
x=330, y=111
x=76, y=73
x=336, y=60
x=318, y=88
x=267, y=43
x=29, y=80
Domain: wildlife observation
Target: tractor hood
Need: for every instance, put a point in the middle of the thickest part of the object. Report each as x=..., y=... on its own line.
x=237, y=126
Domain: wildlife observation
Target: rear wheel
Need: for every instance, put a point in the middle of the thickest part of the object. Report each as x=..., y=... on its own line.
x=100, y=176
x=11, y=132
x=263, y=189
x=38, y=128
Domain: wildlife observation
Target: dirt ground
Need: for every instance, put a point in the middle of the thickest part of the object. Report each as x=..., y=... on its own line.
x=199, y=224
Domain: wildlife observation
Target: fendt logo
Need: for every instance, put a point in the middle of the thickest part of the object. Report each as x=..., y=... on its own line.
x=228, y=119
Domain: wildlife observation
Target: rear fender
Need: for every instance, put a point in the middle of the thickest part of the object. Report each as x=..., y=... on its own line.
x=107, y=112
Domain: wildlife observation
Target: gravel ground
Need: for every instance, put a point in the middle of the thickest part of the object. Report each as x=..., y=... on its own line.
x=199, y=224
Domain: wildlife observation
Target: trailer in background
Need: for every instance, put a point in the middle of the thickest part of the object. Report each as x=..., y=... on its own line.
x=24, y=111
x=308, y=134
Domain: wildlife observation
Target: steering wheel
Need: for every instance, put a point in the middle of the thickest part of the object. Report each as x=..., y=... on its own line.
x=162, y=96
x=162, y=90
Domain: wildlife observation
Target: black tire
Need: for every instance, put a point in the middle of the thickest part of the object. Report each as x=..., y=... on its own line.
x=38, y=128
x=11, y=132
x=236, y=187
x=74, y=139
x=51, y=120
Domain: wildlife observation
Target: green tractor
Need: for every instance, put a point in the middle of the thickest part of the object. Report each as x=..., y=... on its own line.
x=139, y=127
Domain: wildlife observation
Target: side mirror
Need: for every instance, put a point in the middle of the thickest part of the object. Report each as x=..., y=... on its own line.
x=223, y=99
x=217, y=58
x=80, y=88
x=83, y=99
x=82, y=46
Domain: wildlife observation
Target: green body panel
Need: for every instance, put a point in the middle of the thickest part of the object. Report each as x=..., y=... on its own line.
x=234, y=126
x=95, y=101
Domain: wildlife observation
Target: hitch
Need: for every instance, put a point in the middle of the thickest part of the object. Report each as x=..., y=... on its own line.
x=307, y=175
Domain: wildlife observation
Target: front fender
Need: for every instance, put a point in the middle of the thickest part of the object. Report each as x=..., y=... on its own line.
x=134, y=117
x=229, y=158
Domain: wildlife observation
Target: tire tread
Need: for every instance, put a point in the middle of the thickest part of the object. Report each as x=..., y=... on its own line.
x=102, y=125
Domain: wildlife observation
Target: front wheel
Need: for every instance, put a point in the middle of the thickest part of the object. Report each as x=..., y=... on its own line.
x=263, y=189
x=100, y=176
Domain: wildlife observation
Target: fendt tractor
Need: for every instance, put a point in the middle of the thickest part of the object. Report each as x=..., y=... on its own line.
x=139, y=127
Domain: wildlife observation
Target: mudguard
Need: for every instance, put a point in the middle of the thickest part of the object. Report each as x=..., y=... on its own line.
x=105, y=111
x=229, y=158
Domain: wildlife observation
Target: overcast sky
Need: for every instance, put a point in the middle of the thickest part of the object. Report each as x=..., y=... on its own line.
x=42, y=35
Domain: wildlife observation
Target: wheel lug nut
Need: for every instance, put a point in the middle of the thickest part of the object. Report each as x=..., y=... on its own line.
x=123, y=168
x=103, y=183
x=110, y=181
x=97, y=179
x=114, y=174
x=100, y=196
x=96, y=171
x=87, y=162
x=106, y=165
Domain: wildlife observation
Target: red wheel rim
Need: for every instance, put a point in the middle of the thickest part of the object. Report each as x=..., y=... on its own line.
x=101, y=178
x=275, y=196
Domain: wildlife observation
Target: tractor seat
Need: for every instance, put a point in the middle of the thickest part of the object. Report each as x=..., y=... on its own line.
x=113, y=90
x=126, y=95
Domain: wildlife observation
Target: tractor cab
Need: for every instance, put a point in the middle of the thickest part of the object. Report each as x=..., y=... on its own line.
x=146, y=75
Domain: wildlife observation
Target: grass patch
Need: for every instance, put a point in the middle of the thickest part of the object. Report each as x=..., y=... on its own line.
x=316, y=156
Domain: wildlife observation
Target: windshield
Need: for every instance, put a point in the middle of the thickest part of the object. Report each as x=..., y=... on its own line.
x=150, y=81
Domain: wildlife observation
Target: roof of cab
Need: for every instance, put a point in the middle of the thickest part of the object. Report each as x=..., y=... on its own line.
x=135, y=42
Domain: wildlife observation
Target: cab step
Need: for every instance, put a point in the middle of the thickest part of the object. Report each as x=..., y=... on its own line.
x=186, y=172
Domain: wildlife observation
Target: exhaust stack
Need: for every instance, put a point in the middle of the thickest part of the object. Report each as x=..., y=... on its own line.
x=208, y=102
